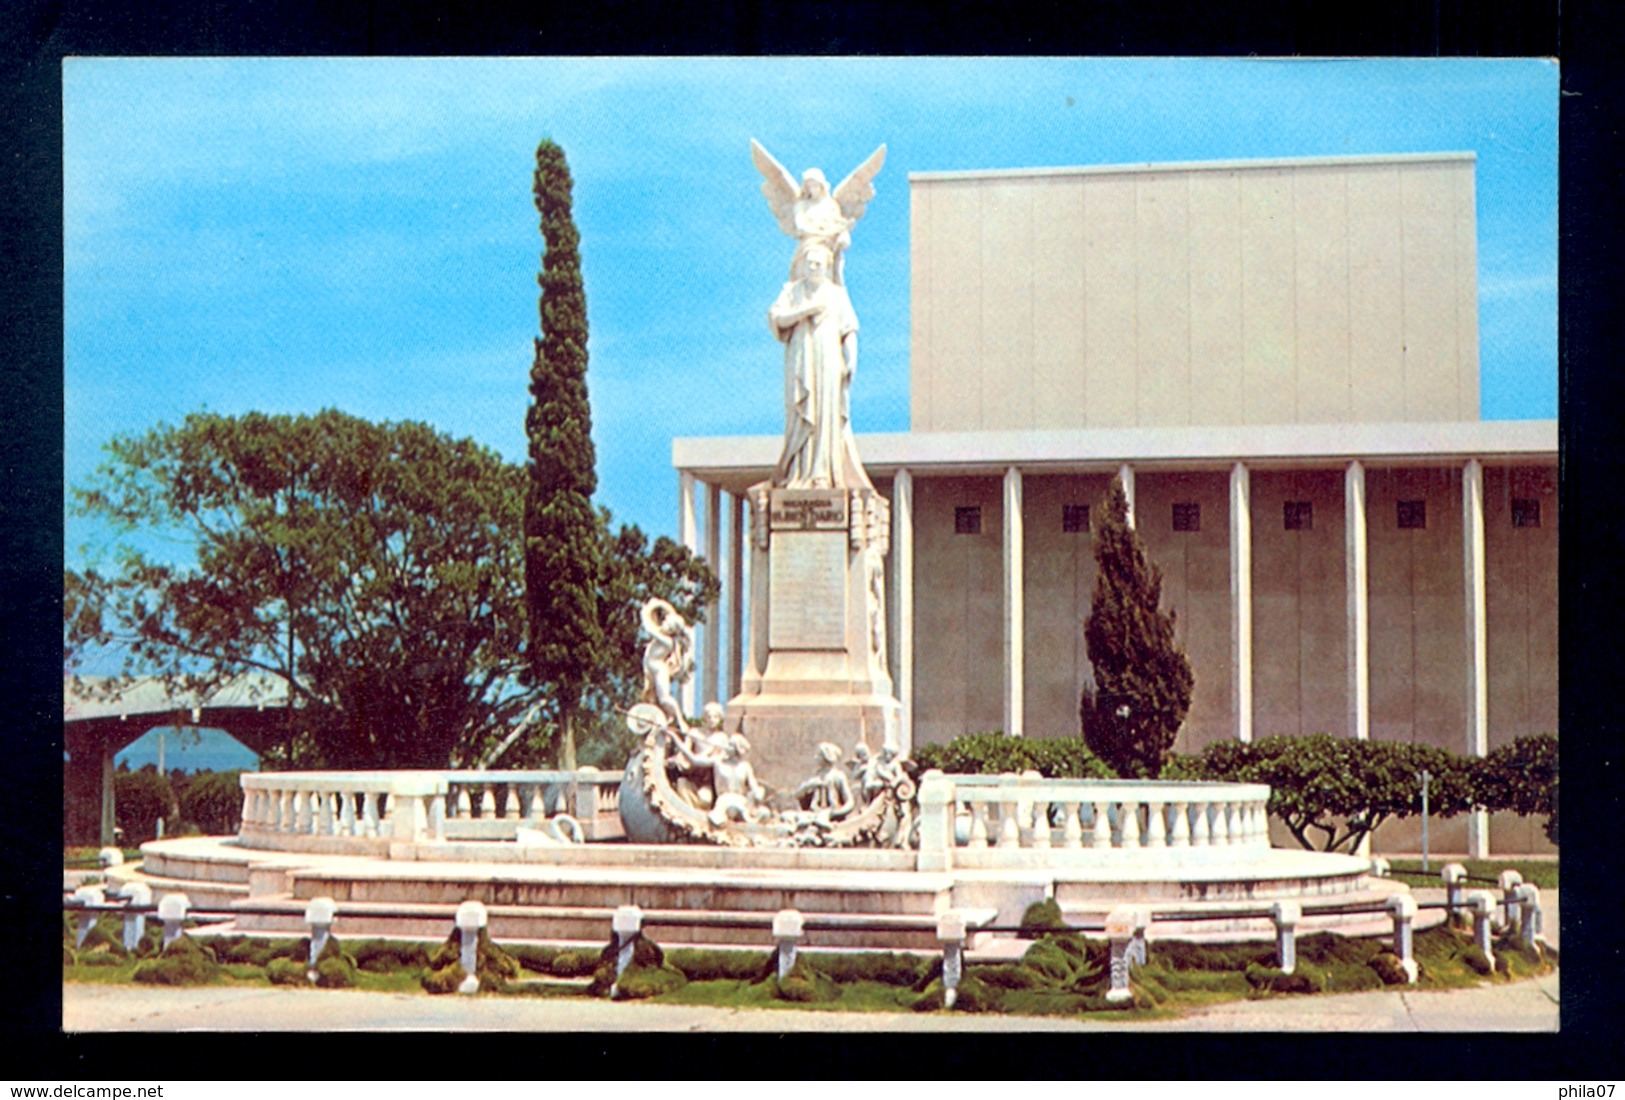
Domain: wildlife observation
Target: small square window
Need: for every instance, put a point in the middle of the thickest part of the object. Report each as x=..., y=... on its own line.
x=1413, y=515
x=1187, y=517
x=968, y=520
x=1298, y=515
x=1074, y=518
x=1525, y=513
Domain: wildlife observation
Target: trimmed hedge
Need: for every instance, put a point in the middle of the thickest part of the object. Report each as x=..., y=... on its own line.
x=213, y=801
x=994, y=753
x=141, y=798
x=1334, y=790
x=1521, y=778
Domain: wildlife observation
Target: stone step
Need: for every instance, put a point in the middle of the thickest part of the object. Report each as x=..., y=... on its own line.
x=887, y=894
x=201, y=893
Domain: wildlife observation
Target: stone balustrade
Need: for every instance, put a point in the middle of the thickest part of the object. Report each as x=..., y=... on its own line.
x=1013, y=820
x=363, y=813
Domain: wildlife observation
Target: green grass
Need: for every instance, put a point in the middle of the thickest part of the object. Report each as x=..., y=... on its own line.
x=1061, y=977
x=1542, y=873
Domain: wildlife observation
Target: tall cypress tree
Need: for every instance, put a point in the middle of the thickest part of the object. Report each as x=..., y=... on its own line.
x=1142, y=678
x=562, y=566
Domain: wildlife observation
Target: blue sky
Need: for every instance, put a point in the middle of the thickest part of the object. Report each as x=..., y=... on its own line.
x=293, y=234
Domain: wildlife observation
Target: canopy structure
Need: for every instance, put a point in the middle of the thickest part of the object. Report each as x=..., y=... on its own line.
x=99, y=718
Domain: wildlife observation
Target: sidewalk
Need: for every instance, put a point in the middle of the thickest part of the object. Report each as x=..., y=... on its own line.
x=1529, y=1006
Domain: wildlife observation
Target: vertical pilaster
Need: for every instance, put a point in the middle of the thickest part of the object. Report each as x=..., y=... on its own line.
x=736, y=594
x=687, y=534
x=1014, y=624
x=902, y=541
x=1241, y=596
x=1125, y=474
x=713, y=614
x=1357, y=573
x=1478, y=701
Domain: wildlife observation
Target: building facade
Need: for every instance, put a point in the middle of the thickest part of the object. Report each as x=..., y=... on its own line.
x=1280, y=361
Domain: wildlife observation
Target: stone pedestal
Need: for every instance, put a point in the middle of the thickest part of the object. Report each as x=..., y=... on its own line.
x=816, y=669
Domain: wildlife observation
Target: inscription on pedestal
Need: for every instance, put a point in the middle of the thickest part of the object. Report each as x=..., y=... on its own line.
x=807, y=590
x=808, y=510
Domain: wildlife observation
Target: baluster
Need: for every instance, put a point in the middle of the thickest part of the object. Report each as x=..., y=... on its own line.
x=1103, y=825
x=978, y=825
x=527, y=801
x=1158, y=837
x=488, y=801
x=1232, y=824
x=1128, y=815
x=347, y=813
x=1071, y=826
x=1201, y=837
x=324, y=812
x=465, y=806
x=1009, y=820
x=1041, y=826
x=436, y=808
x=1180, y=837
x=369, y=813
x=301, y=812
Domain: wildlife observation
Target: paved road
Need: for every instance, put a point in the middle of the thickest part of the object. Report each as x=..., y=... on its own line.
x=1521, y=1006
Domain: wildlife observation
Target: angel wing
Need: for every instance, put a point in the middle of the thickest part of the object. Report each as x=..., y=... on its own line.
x=778, y=186
x=855, y=190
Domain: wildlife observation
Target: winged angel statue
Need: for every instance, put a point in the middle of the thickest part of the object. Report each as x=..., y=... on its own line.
x=812, y=213
x=814, y=319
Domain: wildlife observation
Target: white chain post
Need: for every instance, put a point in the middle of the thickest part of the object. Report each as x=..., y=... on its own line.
x=1120, y=930
x=1403, y=908
x=172, y=911
x=87, y=895
x=627, y=925
x=319, y=915
x=471, y=918
x=1509, y=882
x=1483, y=909
x=137, y=895
x=1286, y=915
x=787, y=925
x=1454, y=876
x=951, y=933
x=1529, y=899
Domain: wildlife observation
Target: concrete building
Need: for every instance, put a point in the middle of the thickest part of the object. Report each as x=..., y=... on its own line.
x=1280, y=360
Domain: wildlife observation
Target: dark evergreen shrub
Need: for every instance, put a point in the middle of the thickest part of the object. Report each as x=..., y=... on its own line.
x=142, y=797
x=994, y=753
x=1142, y=680
x=1521, y=777
x=184, y=962
x=213, y=801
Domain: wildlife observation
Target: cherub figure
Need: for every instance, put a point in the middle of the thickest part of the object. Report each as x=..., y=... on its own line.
x=811, y=211
x=829, y=793
x=707, y=745
x=668, y=657
x=738, y=793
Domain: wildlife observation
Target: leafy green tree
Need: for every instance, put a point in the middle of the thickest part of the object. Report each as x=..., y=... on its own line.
x=373, y=569
x=1142, y=679
x=1521, y=777
x=1341, y=788
x=562, y=565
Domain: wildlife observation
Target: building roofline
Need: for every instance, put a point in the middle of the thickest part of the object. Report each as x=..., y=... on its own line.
x=728, y=458
x=1190, y=166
